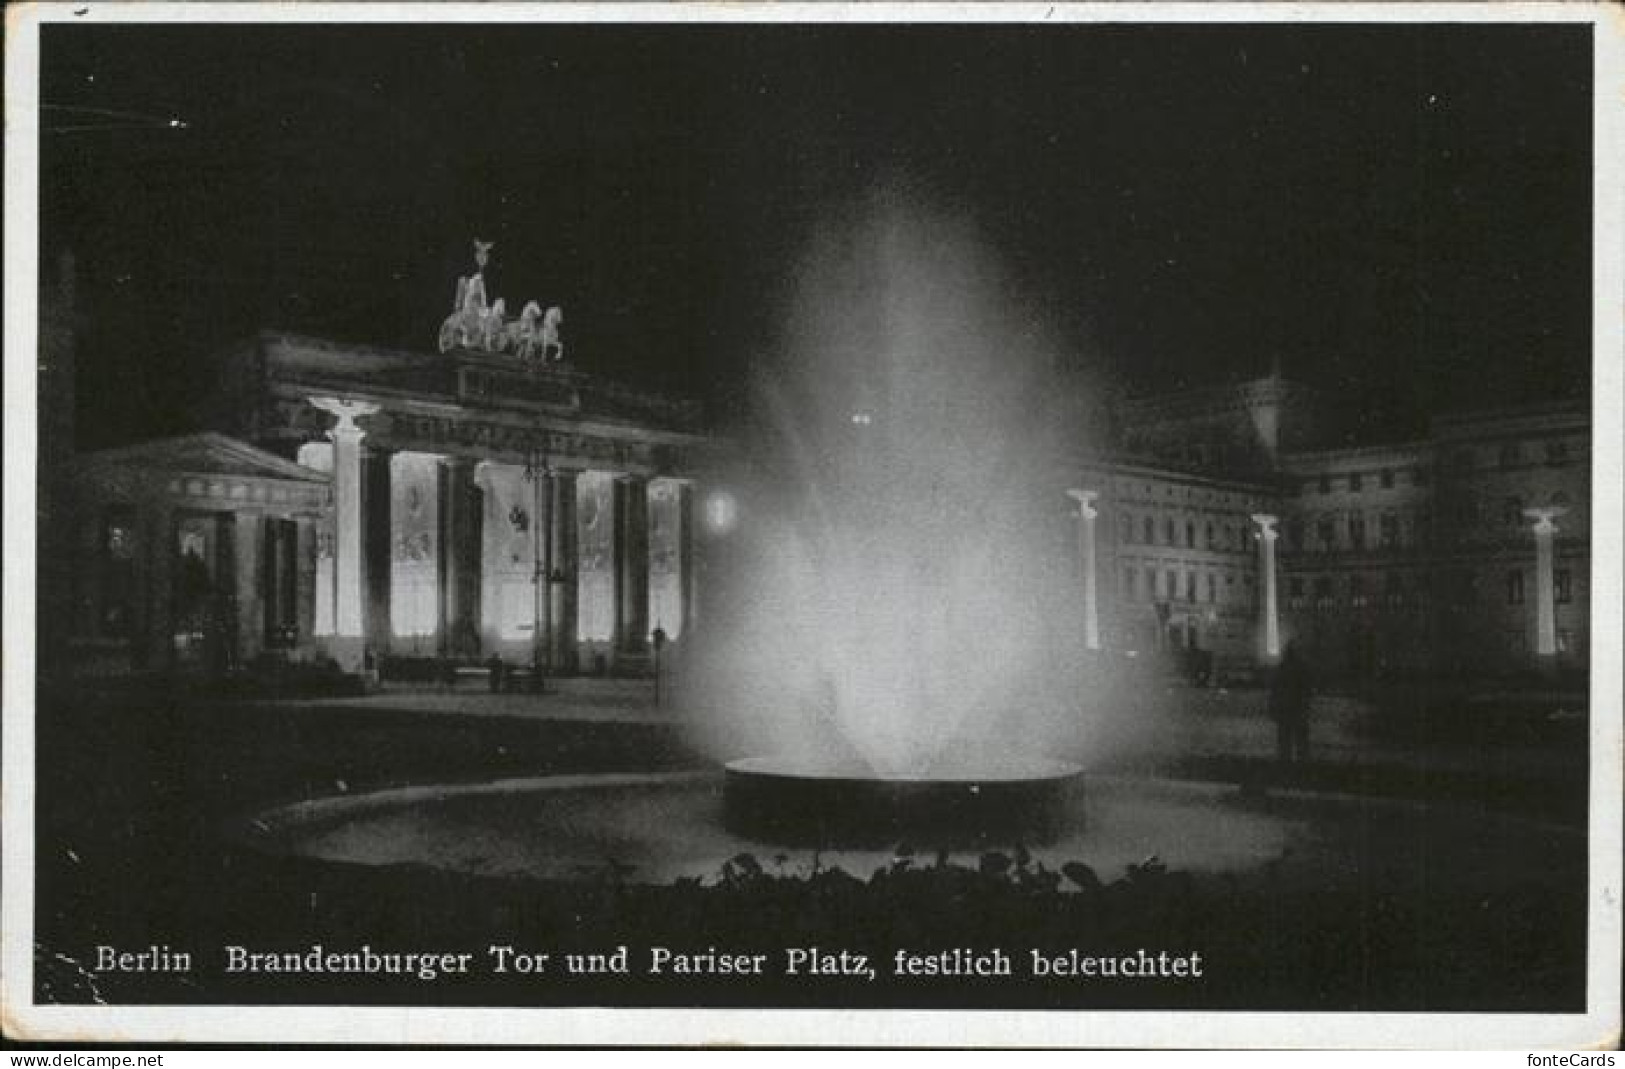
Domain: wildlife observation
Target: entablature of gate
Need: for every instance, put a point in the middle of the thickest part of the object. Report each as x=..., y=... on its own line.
x=448, y=430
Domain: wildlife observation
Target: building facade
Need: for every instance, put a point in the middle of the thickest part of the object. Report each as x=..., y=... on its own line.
x=483, y=504
x=191, y=554
x=400, y=510
x=1220, y=526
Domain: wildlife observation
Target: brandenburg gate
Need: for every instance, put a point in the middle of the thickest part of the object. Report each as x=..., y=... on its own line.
x=488, y=499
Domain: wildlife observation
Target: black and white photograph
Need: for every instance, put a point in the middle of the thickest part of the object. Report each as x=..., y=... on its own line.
x=935, y=526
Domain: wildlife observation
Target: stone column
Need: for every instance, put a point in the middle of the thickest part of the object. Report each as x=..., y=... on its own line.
x=562, y=515
x=460, y=551
x=378, y=551
x=1545, y=595
x=318, y=456
x=598, y=569
x=634, y=562
x=1267, y=536
x=539, y=484
x=349, y=616
x=686, y=556
x=1086, y=556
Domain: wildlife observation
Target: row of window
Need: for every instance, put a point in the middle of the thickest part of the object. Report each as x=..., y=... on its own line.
x=1329, y=532
x=1145, y=491
x=1173, y=584
x=1361, y=589
x=1325, y=533
x=1509, y=455
x=1356, y=480
x=1144, y=531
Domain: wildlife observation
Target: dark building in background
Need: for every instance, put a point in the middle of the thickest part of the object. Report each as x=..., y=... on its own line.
x=1463, y=552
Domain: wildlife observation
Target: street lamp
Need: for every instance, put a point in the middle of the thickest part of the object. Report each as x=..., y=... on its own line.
x=539, y=474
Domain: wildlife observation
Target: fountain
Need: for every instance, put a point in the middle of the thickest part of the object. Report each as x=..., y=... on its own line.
x=909, y=574
x=781, y=801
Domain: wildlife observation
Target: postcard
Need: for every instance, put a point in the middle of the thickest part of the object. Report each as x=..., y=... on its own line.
x=965, y=525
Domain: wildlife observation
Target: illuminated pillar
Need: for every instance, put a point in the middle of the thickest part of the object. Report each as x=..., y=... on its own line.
x=348, y=592
x=686, y=556
x=1545, y=595
x=1086, y=555
x=416, y=518
x=563, y=518
x=1267, y=536
x=493, y=530
x=596, y=572
x=670, y=558
x=633, y=558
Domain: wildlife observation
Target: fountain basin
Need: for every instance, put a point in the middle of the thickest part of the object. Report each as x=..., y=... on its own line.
x=781, y=800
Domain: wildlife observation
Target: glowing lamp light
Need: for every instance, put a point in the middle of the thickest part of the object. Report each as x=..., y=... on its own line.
x=721, y=512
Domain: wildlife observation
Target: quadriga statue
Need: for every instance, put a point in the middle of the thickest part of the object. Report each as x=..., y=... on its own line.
x=474, y=324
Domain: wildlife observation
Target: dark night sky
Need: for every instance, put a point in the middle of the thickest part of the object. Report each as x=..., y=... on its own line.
x=1400, y=214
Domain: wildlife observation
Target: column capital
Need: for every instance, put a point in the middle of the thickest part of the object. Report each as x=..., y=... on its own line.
x=1266, y=525
x=347, y=412
x=1543, y=518
x=1086, y=502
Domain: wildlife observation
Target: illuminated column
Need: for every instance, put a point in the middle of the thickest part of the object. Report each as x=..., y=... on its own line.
x=596, y=569
x=563, y=517
x=348, y=592
x=685, y=556
x=669, y=563
x=1545, y=610
x=493, y=529
x=416, y=518
x=633, y=558
x=1086, y=554
x=1267, y=536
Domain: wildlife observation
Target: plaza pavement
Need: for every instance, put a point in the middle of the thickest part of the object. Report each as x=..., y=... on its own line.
x=1175, y=731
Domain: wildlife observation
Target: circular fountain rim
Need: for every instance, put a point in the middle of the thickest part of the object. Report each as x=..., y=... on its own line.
x=1028, y=770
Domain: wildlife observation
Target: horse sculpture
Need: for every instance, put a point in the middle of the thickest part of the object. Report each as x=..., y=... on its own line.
x=473, y=324
x=550, y=340
x=522, y=335
x=491, y=326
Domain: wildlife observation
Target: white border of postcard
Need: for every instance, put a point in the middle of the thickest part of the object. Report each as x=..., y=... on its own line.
x=1598, y=1027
